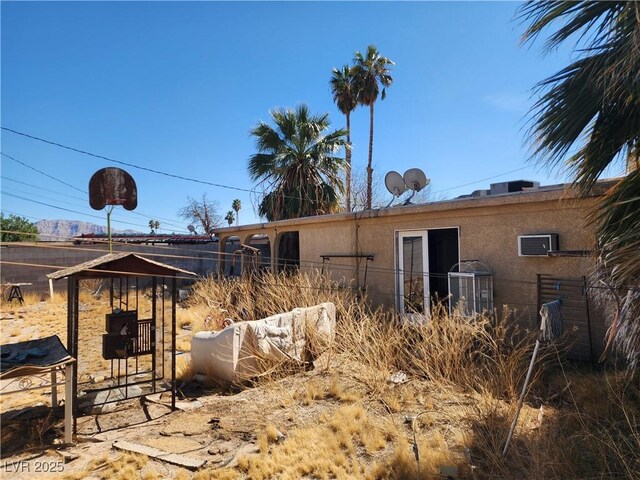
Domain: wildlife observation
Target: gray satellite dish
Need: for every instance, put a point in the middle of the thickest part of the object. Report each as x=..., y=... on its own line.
x=415, y=179
x=395, y=184
x=192, y=229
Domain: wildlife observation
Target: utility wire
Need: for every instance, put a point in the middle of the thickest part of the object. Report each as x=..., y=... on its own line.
x=102, y=157
x=310, y=264
x=189, y=179
x=40, y=171
x=66, y=209
x=229, y=255
x=135, y=212
x=146, y=216
x=84, y=199
x=481, y=180
x=31, y=195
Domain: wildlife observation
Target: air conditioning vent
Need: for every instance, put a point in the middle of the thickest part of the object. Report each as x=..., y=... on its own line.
x=537, y=245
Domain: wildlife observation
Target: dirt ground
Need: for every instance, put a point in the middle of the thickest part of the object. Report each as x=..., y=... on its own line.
x=224, y=427
x=221, y=427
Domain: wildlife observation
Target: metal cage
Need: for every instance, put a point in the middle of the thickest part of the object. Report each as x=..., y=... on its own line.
x=470, y=288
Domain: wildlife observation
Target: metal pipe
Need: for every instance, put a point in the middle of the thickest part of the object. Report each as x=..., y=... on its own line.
x=521, y=400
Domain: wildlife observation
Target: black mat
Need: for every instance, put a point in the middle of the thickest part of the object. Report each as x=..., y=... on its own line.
x=42, y=352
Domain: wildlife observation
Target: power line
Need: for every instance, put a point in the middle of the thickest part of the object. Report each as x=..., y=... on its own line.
x=481, y=180
x=140, y=274
x=102, y=157
x=284, y=262
x=204, y=182
x=40, y=171
x=44, y=189
x=6, y=191
x=65, y=209
x=146, y=216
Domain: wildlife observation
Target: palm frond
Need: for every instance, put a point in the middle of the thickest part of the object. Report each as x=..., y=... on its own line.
x=587, y=119
x=296, y=157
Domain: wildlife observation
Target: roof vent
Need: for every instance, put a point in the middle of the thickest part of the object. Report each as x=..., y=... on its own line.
x=512, y=186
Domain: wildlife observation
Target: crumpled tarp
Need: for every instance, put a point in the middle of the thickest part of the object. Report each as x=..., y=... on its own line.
x=247, y=349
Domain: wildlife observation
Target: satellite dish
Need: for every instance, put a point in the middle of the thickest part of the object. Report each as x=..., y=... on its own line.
x=192, y=229
x=394, y=183
x=415, y=179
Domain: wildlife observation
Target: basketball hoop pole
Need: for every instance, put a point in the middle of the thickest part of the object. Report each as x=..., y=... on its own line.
x=112, y=186
x=109, y=210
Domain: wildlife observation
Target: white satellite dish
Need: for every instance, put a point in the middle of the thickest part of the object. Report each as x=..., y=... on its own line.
x=415, y=179
x=395, y=184
x=192, y=229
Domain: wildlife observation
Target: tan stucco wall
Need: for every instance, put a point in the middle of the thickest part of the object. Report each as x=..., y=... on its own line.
x=489, y=230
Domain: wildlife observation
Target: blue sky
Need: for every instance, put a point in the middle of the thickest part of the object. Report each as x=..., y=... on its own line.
x=176, y=87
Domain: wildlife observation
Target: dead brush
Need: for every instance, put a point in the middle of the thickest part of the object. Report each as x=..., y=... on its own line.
x=258, y=296
x=124, y=467
x=479, y=354
x=593, y=432
x=591, y=426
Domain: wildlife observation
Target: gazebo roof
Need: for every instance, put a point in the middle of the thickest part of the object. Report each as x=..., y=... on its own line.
x=116, y=265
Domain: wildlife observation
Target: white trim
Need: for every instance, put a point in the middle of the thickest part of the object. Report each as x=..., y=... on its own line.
x=398, y=258
x=422, y=234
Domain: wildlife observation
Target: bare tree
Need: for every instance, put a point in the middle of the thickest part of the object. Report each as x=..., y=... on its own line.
x=202, y=213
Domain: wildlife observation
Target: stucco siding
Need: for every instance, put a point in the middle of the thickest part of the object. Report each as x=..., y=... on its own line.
x=488, y=231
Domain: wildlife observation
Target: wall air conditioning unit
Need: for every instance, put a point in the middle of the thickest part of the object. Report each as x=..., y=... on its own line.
x=537, y=245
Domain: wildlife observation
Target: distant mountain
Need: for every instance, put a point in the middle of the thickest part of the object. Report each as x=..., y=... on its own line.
x=60, y=230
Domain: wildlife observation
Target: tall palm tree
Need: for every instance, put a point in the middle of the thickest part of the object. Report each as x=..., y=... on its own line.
x=229, y=217
x=154, y=225
x=370, y=71
x=587, y=119
x=237, y=205
x=345, y=97
x=296, y=162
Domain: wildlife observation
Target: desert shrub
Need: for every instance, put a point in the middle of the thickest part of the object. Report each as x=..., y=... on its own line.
x=591, y=425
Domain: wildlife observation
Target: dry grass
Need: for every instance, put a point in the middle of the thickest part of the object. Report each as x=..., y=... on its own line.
x=335, y=438
x=184, y=368
x=123, y=467
x=347, y=419
x=486, y=358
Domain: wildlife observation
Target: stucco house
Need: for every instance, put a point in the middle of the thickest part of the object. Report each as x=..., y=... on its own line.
x=536, y=242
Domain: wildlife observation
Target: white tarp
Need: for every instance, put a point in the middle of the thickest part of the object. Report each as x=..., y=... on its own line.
x=247, y=349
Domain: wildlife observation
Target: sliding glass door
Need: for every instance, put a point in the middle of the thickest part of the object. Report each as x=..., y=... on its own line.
x=423, y=261
x=412, y=279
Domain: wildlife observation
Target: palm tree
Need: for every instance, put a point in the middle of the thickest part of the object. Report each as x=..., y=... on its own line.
x=370, y=71
x=154, y=225
x=296, y=163
x=229, y=217
x=587, y=119
x=345, y=97
x=237, y=205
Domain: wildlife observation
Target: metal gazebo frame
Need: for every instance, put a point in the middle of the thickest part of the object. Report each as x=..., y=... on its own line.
x=121, y=268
